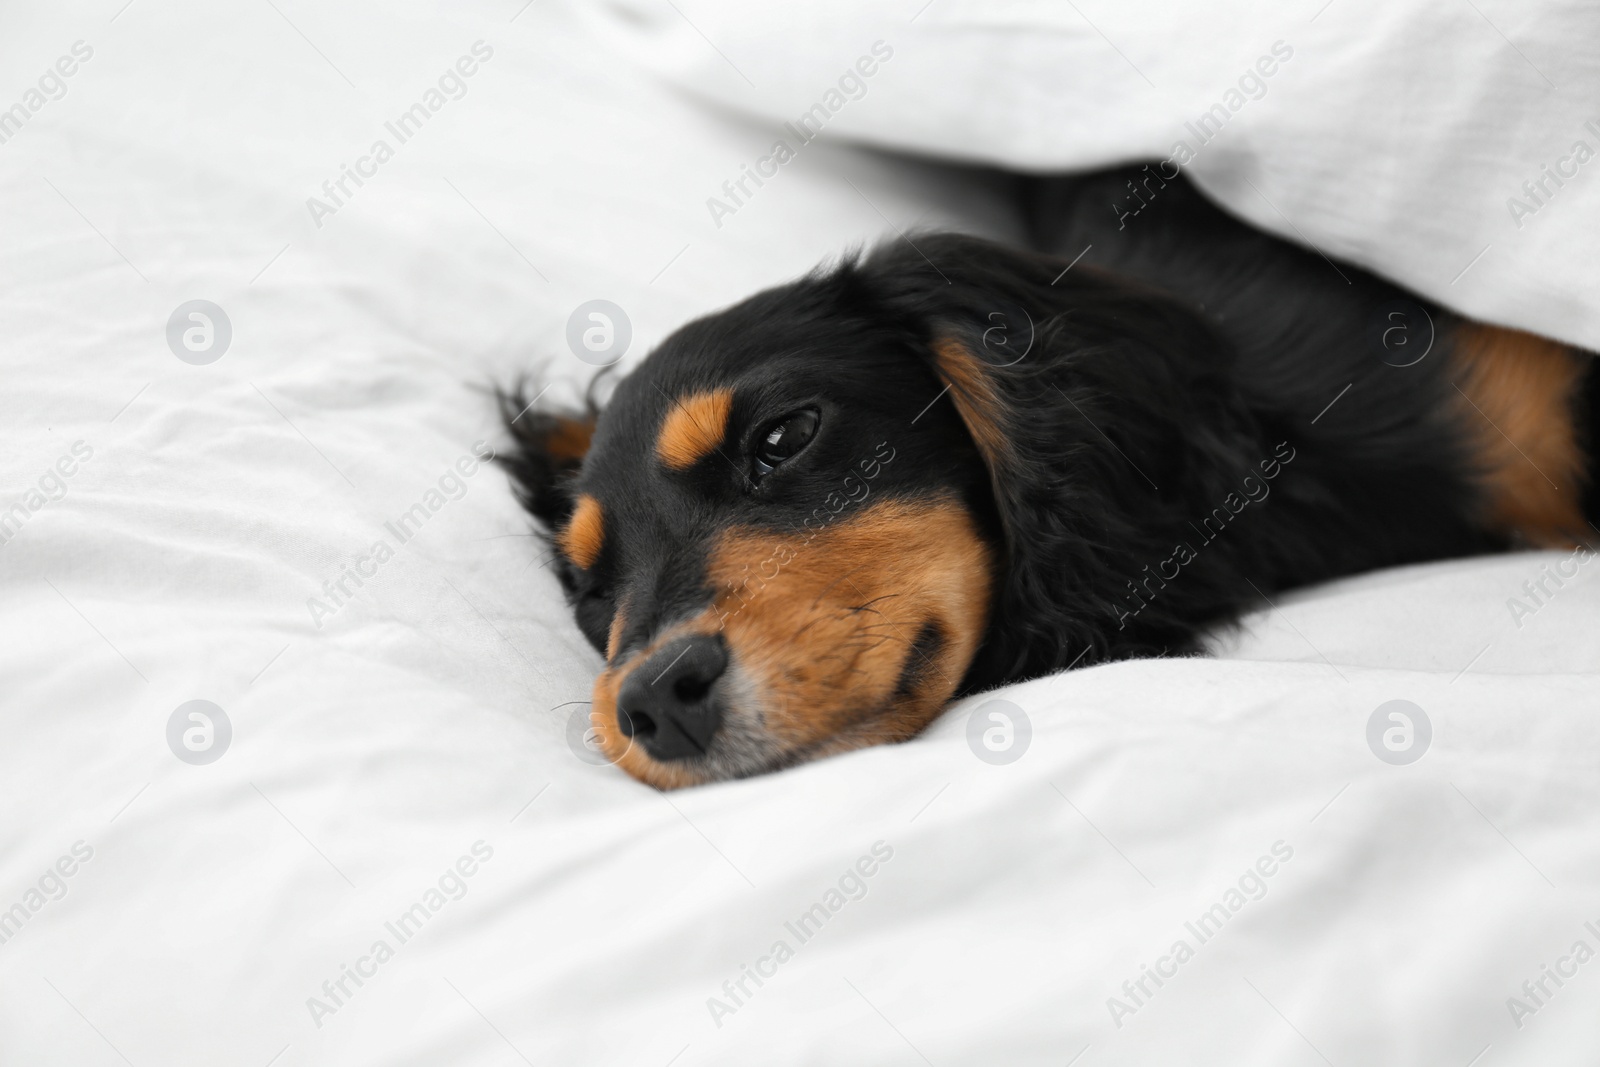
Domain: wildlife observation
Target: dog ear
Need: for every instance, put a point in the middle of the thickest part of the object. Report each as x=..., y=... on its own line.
x=549, y=450
x=1105, y=419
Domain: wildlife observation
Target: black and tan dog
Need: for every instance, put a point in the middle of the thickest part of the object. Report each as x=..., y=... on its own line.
x=803, y=524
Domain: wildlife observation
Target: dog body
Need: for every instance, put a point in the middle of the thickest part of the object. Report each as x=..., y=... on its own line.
x=805, y=523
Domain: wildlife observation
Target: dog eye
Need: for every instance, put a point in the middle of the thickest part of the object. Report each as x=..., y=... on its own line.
x=782, y=439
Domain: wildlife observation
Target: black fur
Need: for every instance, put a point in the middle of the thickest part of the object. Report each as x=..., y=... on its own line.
x=829, y=341
x=1183, y=365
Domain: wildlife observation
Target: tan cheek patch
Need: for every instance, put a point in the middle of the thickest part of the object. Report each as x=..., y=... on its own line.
x=827, y=624
x=1517, y=400
x=693, y=428
x=584, y=534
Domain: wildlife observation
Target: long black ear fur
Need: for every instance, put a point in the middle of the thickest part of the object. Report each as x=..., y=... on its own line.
x=1151, y=476
x=1110, y=421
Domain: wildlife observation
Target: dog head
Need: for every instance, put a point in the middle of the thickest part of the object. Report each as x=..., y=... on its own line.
x=793, y=527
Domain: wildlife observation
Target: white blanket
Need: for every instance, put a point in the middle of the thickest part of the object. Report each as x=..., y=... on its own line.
x=1452, y=145
x=383, y=850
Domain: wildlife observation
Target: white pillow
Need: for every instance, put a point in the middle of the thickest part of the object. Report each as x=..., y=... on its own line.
x=1419, y=140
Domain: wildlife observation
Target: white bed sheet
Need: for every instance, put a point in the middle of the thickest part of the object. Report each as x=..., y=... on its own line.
x=426, y=719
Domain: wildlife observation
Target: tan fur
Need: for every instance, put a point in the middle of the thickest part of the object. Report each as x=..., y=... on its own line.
x=822, y=626
x=976, y=400
x=568, y=442
x=1516, y=393
x=828, y=635
x=614, y=638
x=584, y=534
x=693, y=428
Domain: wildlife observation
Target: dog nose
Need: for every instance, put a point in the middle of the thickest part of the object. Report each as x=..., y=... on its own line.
x=667, y=703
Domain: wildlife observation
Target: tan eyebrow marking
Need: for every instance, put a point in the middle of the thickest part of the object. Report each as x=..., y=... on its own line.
x=693, y=428
x=584, y=533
